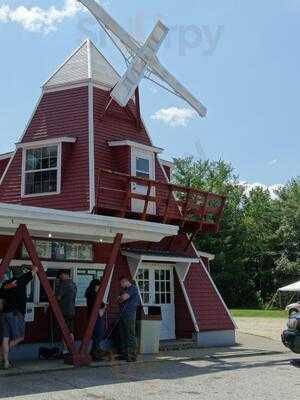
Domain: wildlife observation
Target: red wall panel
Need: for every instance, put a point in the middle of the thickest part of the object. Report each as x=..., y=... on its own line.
x=62, y=113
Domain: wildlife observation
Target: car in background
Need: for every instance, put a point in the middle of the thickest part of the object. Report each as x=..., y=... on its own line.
x=293, y=308
x=291, y=336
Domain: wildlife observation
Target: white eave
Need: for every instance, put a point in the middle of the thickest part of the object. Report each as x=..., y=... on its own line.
x=140, y=146
x=79, y=225
x=6, y=156
x=160, y=258
x=46, y=142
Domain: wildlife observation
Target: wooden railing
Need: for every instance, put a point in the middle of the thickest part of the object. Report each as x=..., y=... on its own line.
x=127, y=196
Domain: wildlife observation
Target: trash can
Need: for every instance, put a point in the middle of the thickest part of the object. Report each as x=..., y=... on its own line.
x=148, y=329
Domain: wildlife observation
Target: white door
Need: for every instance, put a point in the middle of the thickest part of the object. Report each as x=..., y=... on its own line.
x=142, y=166
x=156, y=284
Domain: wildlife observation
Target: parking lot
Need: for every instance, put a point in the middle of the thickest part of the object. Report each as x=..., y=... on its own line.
x=257, y=369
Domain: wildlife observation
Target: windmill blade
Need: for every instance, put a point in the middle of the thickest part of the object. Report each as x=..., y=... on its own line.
x=110, y=24
x=126, y=87
x=162, y=73
x=159, y=70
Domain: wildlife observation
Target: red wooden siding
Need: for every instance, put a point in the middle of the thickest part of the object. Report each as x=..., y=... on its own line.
x=183, y=321
x=167, y=171
x=209, y=310
x=3, y=164
x=63, y=113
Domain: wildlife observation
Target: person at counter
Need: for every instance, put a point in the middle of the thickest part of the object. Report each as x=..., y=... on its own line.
x=65, y=293
x=128, y=301
x=13, y=298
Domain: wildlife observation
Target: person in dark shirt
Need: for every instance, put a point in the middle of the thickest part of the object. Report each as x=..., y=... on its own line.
x=98, y=333
x=65, y=293
x=13, y=299
x=128, y=302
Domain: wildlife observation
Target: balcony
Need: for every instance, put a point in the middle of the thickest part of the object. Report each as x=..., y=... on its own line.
x=127, y=196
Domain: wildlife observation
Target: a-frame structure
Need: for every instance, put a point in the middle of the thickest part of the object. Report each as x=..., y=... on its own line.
x=77, y=357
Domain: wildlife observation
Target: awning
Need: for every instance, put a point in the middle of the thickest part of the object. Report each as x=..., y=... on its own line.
x=42, y=222
x=294, y=287
x=159, y=256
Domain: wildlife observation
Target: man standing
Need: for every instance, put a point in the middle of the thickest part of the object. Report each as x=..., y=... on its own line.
x=129, y=301
x=13, y=299
x=65, y=292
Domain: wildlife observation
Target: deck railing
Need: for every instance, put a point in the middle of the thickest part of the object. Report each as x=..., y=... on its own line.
x=126, y=196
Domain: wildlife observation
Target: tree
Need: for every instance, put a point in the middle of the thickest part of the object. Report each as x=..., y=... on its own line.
x=258, y=244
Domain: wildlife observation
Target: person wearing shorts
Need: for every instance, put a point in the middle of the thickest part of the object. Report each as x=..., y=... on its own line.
x=13, y=300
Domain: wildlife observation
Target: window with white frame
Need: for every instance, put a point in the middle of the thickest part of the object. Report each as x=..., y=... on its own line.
x=142, y=167
x=41, y=170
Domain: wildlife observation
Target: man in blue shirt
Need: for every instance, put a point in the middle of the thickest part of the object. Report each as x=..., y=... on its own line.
x=128, y=301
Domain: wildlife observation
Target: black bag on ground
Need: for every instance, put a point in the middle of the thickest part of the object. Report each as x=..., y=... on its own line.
x=46, y=353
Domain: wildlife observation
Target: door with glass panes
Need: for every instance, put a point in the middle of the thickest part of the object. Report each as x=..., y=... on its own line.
x=156, y=284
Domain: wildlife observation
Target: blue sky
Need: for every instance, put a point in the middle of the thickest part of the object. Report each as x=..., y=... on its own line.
x=241, y=59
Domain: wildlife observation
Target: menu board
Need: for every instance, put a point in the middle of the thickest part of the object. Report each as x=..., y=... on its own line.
x=84, y=278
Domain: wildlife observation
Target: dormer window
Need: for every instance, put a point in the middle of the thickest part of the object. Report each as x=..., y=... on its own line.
x=41, y=166
x=41, y=175
x=142, y=168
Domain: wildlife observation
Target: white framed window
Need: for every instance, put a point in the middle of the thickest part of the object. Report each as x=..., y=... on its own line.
x=41, y=170
x=142, y=167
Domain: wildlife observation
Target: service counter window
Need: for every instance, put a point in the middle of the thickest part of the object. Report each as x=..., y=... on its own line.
x=83, y=278
x=52, y=279
x=62, y=250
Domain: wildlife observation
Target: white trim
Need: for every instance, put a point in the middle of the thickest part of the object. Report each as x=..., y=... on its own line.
x=22, y=136
x=140, y=146
x=92, y=190
x=67, y=86
x=58, y=168
x=31, y=118
x=79, y=225
x=188, y=303
x=46, y=142
x=88, y=43
x=218, y=293
x=59, y=264
x=7, y=168
x=5, y=156
x=203, y=254
x=167, y=163
x=158, y=258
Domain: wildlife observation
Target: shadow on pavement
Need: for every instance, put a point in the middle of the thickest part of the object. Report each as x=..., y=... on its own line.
x=87, y=378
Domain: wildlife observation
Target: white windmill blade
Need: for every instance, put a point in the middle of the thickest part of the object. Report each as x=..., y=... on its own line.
x=126, y=87
x=153, y=63
x=159, y=70
x=110, y=24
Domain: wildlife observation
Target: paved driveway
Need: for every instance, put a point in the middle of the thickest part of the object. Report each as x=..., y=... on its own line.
x=266, y=327
x=226, y=376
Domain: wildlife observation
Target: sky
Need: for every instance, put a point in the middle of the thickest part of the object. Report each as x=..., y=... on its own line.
x=240, y=58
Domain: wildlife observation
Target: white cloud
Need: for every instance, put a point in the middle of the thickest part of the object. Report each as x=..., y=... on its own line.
x=174, y=116
x=37, y=19
x=273, y=162
x=272, y=188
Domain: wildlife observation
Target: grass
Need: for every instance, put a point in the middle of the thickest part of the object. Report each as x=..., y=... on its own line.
x=259, y=313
